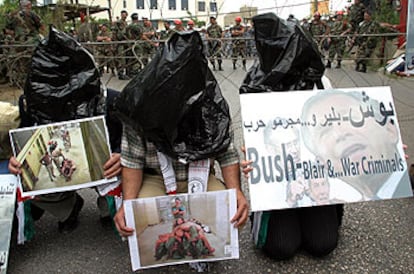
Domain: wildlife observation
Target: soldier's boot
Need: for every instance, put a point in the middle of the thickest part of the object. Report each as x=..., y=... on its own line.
x=234, y=65
x=213, y=63
x=328, y=64
x=357, y=66
x=363, y=68
x=220, y=67
x=338, y=65
x=244, y=64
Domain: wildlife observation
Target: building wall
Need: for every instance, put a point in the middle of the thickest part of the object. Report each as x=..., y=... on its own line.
x=30, y=156
x=164, y=10
x=246, y=13
x=323, y=8
x=96, y=147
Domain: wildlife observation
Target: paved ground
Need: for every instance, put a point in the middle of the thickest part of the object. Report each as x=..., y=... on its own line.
x=376, y=237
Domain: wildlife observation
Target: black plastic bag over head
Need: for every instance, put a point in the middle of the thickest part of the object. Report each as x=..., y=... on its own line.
x=176, y=103
x=289, y=59
x=63, y=82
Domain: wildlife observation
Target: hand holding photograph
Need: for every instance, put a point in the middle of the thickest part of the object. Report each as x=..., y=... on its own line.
x=182, y=228
x=61, y=156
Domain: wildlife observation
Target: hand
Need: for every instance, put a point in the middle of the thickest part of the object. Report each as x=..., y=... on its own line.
x=113, y=167
x=120, y=224
x=245, y=164
x=405, y=147
x=14, y=166
x=240, y=218
x=246, y=168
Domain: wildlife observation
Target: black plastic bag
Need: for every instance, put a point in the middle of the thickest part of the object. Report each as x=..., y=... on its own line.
x=289, y=59
x=176, y=103
x=63, y=82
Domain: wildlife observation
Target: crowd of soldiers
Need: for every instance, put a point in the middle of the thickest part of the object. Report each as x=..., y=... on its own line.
x=357, y=30
x=23, y=27
x=125, y=46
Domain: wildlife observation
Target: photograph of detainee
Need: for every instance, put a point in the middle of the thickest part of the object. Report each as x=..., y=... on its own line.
x=181, y=228
x=62, y=156
x=361, y=142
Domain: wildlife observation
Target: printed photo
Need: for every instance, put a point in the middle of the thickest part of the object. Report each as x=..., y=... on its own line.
x=7, y=202
x=182, y=228
x=61, y=156
x=326, y=147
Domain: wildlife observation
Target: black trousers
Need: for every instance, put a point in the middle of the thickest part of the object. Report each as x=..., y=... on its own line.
x=315, y=229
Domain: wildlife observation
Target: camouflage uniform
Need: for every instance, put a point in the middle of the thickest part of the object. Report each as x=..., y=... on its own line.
x=106, y=51
x=337, y=45
x=214, y=32
x=165, y=34
x=148, y=49
x=120, y=34
x=366, y=45
x=134, y=31
x=25, y=25
x=317, y=29
x=356, y=15
x=239, y=46
x=86, y=32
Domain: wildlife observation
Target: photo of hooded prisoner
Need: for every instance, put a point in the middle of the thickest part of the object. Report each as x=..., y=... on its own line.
x=61, y=155
x=165, y=237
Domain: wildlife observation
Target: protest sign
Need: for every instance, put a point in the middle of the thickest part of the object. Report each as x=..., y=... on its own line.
x=182, y=228
x=61, y=156
x=313, y=148
x=7, y=202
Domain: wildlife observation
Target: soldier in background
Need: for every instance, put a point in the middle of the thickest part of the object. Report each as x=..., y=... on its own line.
x=25, y=24
x=366, y=44
x=305, y=24
x=167, y=32
x=106, y=51
x=178, y=25
x=190, y=25
x=318, y=29
x=239, y=45
x=337, y=44
x=214, y=35
x=356, y=14
x=148, y=36
x=120, y=34
x=227, y=44
x=86, y=31
x=23, y=27
x=134, y=32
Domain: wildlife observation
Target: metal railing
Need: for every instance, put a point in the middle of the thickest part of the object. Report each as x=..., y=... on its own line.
x=131, y=56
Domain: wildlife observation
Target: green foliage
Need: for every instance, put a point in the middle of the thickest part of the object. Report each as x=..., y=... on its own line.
x=385, y=12
x=198, y=23
x=5, y=8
